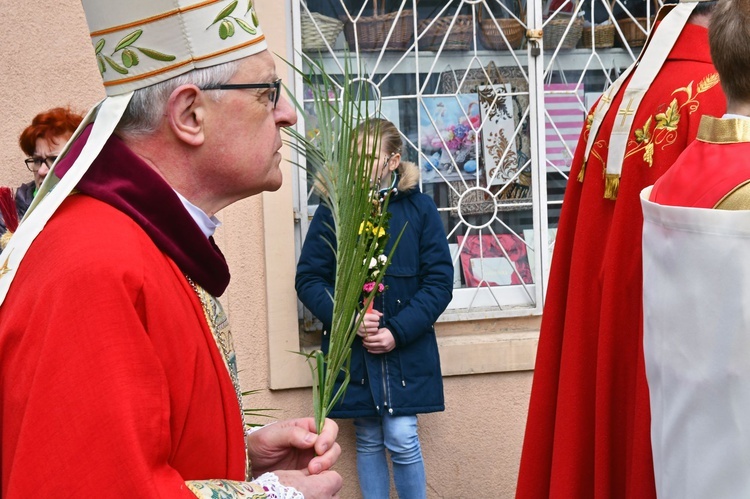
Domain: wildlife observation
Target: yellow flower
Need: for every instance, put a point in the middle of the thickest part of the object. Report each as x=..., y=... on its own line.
x=378, y=232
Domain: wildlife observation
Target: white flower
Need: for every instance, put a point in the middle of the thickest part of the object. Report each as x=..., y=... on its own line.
x=382, y=259
x=373, y=263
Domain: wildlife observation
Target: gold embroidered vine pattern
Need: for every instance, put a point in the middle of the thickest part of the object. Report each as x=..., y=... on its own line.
x=665, y=124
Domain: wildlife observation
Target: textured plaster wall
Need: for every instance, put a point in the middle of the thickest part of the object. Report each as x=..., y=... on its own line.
x=471, y=450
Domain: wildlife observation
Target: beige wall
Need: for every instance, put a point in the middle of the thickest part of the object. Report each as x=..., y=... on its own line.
x=471, y=450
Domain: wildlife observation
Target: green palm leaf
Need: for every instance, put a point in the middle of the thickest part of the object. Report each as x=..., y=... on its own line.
x=339, y=158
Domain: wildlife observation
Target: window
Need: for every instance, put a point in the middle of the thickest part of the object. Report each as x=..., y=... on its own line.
x=490, y=114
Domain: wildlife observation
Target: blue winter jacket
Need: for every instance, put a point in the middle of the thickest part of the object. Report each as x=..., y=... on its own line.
x=406, y=380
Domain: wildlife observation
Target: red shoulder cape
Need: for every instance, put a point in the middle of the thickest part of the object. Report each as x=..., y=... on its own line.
x=704, y=174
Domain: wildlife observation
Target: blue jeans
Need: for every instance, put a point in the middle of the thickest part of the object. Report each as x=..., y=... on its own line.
x=399, y=435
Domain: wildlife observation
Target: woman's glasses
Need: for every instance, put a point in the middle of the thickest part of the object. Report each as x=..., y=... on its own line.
x=35, y=163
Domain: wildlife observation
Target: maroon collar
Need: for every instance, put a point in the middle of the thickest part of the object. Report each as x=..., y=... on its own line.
x=124, y=181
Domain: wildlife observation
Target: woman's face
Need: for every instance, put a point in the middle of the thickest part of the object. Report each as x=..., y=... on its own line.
x=382, y=163
x=47, y=147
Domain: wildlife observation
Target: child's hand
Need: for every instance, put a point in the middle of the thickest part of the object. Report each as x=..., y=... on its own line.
x=380, y=342
x=370, y=324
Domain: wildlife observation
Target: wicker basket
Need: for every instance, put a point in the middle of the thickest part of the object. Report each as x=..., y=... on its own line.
x=600, y=35
x=373, y=31
x=493, y=40
x=555, y=29
x=330, y=27
x=459, y=38
x=634, y=36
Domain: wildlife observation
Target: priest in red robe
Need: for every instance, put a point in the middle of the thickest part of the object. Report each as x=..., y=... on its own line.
x=587, y=433
x=118, y=375
x=696, y=279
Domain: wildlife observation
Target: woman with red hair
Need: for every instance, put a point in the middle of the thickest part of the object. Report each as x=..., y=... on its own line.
x=42, y=142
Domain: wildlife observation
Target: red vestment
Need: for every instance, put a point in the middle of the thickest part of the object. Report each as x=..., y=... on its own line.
x=708, y=170
x=111, y=383
x=587, y=433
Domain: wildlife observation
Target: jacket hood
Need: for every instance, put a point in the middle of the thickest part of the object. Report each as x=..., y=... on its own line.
x=408, y=176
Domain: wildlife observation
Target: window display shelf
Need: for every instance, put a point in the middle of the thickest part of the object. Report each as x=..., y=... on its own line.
x=410, y=63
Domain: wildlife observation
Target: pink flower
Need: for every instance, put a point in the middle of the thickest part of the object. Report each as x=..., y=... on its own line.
x=368, y=287
x=381, y=288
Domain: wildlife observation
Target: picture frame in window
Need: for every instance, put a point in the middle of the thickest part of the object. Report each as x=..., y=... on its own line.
x=494, y=260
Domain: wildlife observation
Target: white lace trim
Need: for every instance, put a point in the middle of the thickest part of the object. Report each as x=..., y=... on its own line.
x=253, y=429
x=274, y=489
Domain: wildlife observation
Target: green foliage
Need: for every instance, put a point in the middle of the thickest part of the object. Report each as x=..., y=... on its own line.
x=256, y=413
x=339, y=156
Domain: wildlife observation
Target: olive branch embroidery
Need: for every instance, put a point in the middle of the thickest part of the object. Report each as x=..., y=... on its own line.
x=128, y=56
x=226, y=26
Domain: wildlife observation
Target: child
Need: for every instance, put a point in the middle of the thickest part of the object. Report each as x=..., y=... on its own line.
x=395, y=365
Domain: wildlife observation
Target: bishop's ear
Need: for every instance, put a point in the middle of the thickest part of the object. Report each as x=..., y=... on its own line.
x=185, y=114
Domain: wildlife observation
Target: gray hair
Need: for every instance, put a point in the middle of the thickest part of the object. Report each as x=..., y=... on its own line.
x=147, y=107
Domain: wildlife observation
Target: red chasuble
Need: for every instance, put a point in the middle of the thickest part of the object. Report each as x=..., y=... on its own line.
x=587, y=433
x=111, y=383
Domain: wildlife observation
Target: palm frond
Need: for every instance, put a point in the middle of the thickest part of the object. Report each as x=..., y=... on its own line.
x=339, y=157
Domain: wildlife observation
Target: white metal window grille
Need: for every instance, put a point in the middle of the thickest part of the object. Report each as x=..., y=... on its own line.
x=489, y=107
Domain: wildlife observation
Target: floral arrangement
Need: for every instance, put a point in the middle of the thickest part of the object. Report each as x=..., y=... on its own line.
x=339, y=156
x=375, y=231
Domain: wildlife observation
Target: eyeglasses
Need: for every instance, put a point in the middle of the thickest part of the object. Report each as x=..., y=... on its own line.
x=273, y=95
x=34, y=163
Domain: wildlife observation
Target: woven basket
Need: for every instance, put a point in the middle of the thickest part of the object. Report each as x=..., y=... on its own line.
x=554, y=30
x=493, y=40
x=601, y=36
x=372, y=31
x=330, y=27
x=633, y=34
x=459, y=37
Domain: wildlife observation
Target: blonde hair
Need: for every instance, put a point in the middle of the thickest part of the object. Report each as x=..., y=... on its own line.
x=386, y=131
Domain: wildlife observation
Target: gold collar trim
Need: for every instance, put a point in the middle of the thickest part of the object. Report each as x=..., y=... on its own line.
x=723, y=130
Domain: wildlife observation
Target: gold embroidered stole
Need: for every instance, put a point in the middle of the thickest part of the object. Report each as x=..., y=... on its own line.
x=220, y=330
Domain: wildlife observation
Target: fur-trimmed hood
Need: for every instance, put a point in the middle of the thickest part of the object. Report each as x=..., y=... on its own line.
x=408, y=173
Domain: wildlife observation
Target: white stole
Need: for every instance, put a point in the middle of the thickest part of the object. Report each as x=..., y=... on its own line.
x=644, y=69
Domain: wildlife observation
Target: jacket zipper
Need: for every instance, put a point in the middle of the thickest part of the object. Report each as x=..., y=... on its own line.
x=384, y=371
x=384, y=367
